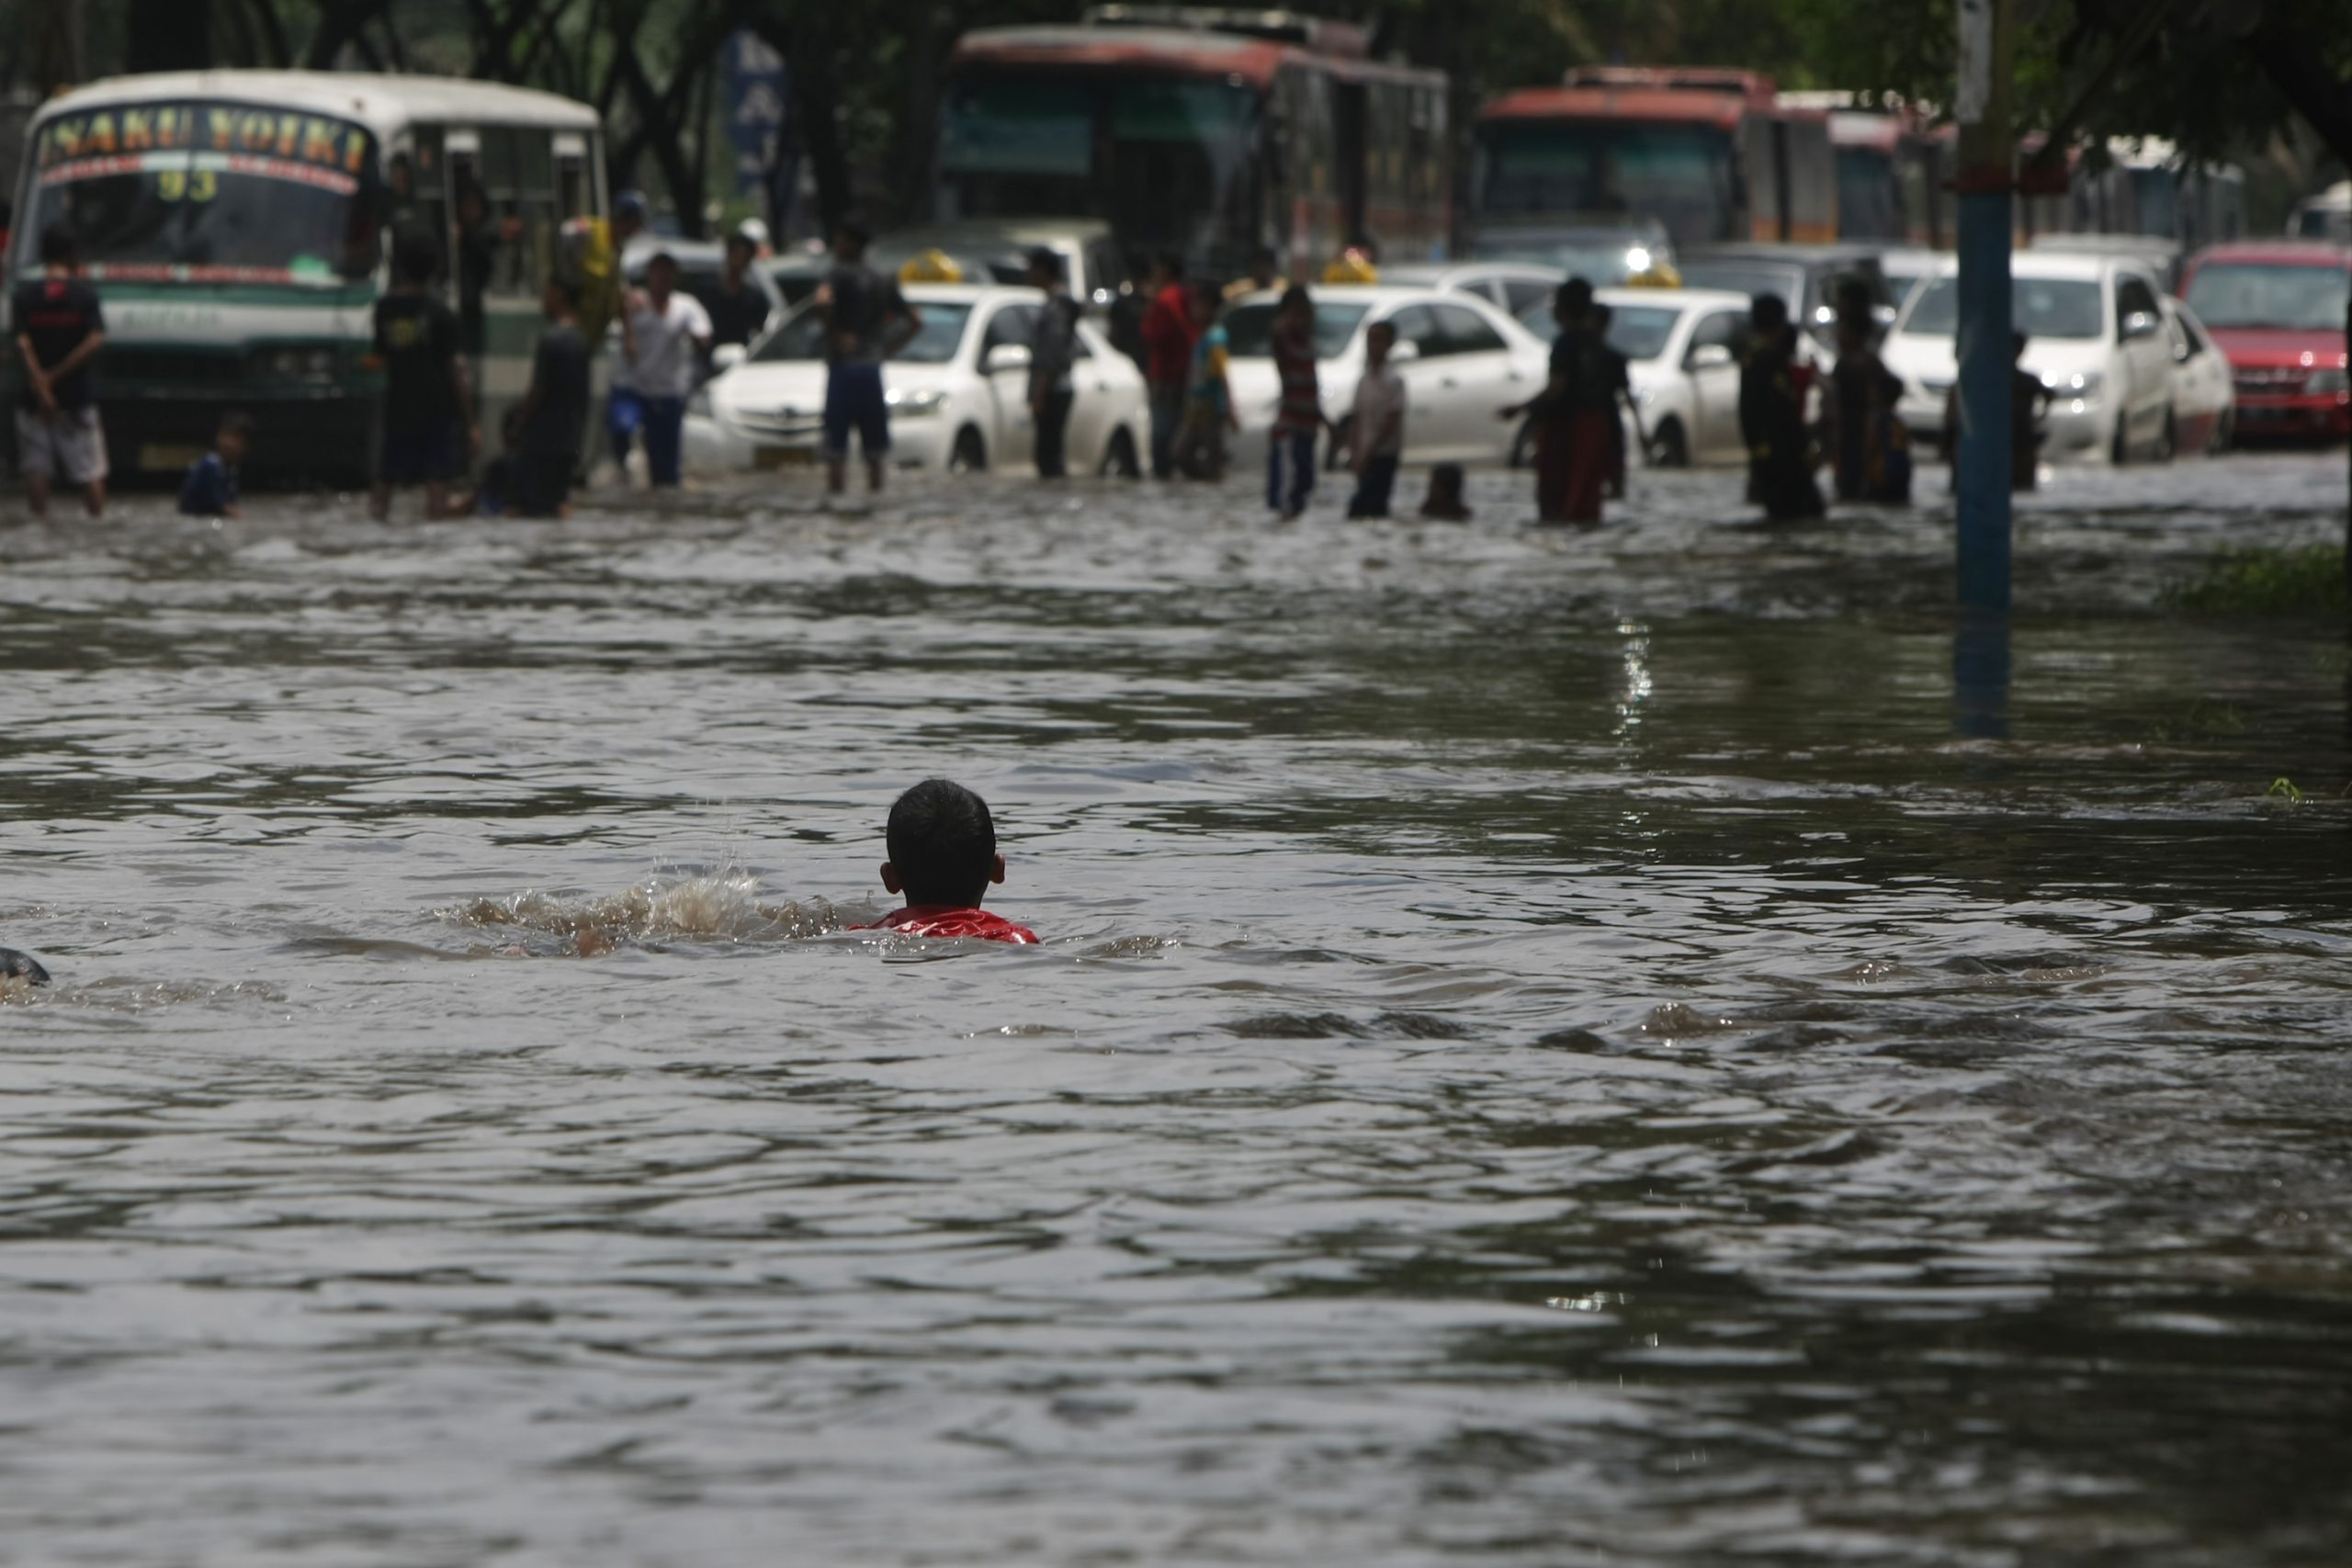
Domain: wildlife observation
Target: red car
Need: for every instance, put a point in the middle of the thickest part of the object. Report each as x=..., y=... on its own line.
x=2277, y=309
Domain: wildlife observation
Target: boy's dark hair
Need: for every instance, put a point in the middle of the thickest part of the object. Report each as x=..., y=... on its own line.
x=58, y=246
x=415, y=258
x=237, y=422
x=1445, y=478
x=1574, y=296
x=1768, y=311
x=855, y=230
x=943, y=842
x=1296, y=294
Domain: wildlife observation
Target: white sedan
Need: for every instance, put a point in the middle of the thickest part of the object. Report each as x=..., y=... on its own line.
x=1682, y=348
x=1462, y=360
x=958, y=393
x=2095, y=334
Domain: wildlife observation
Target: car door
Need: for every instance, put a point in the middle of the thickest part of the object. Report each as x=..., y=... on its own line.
x=1428, y=377
x=1014, y=438
x=2145, y=351
x=1481, y=378
x=1090, y=413
x=1711, y=367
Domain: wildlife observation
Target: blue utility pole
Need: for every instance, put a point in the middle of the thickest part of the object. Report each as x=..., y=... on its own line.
x=1987, y=175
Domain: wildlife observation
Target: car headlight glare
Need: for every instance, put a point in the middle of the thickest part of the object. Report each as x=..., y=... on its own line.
x=2085, y=384
x=915, y=404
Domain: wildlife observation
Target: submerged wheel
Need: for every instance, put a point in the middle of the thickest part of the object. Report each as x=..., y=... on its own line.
x=2168, y=442
x=2222, y=433
x=1673, y=446
x=970, y=454
x=1522, y=445
x=2119, y=450
x=1120, y=457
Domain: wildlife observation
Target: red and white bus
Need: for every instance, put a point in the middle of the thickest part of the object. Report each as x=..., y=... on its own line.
x=1205, y=132
x=1711, y=154
x=1891, y=170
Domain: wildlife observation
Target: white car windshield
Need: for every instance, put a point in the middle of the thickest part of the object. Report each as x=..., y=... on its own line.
x=1248, y=329
x=2039, y=307
x=803, y=337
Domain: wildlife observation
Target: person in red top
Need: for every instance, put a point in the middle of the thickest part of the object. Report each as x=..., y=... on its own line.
x=1298, y=418
x=942, y=858
x=1168, y=335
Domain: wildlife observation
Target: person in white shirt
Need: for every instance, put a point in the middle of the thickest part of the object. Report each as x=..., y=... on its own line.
x=667, y=333
x=1376, y=430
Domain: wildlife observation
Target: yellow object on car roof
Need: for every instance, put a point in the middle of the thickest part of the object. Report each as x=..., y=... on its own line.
x=1658, y=275
x=933, y=265
x=1352, y=266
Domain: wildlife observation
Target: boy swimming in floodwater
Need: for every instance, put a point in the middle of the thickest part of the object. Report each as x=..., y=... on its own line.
x=942, y=858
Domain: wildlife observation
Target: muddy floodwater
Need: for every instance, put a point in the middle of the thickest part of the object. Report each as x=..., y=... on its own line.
x=1548, y=1049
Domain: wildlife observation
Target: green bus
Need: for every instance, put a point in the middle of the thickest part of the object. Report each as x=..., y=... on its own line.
x=237, y=226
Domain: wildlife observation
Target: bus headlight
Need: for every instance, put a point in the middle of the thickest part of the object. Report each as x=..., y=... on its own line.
x=313, y=366
x=918, y=404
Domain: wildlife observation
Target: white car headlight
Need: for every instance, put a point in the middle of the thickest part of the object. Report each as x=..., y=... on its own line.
x=2085, y=386
x=915, y=404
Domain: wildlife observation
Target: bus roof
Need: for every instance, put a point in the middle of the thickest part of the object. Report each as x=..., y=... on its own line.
x=1687, y=106
x=379, y=102
x=1180, y=50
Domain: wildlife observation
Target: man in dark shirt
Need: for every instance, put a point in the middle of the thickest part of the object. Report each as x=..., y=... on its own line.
x=738, y=306
x=429, y=433
x=1771, y=416
x=1053, y=356
x=866, y=320
x=478, y=237
x=59, y=331
x=553, y=413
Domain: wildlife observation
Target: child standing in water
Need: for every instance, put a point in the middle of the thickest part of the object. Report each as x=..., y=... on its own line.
x=943, y=859
x=1208, y=405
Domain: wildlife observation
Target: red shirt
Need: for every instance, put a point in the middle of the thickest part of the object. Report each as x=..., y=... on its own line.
x=1168, y=339
x=938, y=920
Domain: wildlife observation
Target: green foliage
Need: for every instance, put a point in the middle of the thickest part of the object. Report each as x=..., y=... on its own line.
x=2283, y=788
x=2305, y=582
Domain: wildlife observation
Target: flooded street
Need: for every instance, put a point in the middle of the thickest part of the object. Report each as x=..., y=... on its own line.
x=1548, y=1050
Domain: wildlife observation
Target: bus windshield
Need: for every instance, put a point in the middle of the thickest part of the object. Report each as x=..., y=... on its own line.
x=1680, y=174
x=1167, y=160
x=206, y=193
x=2245, y=294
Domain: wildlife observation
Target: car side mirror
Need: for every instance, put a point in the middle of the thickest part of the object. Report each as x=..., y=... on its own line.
x=1707, y=356
x=1006, y=357
x=1403, y=353
x=2139, y=324
x=725, y=356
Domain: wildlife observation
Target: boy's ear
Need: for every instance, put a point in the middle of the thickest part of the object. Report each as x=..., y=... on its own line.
x=890, y=883
x=995, y=873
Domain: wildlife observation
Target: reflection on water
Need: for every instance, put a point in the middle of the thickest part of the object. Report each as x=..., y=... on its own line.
x=1548, y=1049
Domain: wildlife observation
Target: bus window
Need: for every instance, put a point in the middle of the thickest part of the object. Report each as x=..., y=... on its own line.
x=571, y=188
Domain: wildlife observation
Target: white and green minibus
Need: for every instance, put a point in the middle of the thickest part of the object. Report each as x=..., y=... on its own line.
x=237, y=227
